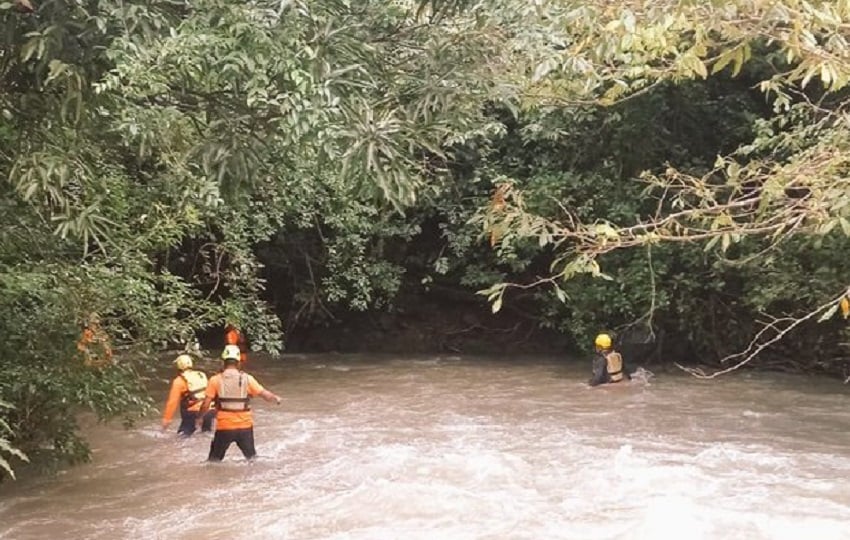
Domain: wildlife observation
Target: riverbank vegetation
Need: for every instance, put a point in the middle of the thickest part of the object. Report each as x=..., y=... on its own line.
x=674, y=171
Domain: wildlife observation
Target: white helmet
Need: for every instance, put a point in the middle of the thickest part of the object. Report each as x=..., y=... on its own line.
x=184, y=361
x=231, y=352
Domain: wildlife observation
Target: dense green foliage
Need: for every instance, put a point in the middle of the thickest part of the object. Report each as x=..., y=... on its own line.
x=758, y=179
x=679, y=169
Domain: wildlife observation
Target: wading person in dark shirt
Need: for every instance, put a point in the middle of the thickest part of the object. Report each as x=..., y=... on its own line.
x=607, y=364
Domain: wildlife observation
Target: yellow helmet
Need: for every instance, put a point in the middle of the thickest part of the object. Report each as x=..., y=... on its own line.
x=184, y=361
x=603, y=341
x=231, y=352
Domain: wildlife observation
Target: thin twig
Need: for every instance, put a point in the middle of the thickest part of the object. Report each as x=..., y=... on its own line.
x=700, y=374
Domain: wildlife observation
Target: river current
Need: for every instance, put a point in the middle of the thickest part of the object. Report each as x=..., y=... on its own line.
x=367, y=447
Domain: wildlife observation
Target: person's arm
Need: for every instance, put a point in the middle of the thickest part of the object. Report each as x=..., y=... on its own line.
x=173, y=401
x=205, y=406
x=269, y=396
x=600, y=371
x=211, y=393
x=256, y=389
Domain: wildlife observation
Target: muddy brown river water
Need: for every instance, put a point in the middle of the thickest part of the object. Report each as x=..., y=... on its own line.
x=449, y=447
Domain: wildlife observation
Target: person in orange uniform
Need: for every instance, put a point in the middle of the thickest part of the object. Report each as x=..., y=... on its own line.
x=188, y=390
x=93, y=344
x=232, y=336
x=232, y=390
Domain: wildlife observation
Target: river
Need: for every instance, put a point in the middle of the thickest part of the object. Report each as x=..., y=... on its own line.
x=461, y=448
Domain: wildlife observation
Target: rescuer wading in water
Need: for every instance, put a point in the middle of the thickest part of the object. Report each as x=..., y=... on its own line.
x=607, y=364
x=188, y=390
x=232, y=390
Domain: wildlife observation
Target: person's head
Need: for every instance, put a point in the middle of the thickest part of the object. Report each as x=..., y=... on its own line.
x=183, y=362
x=231, y=355
x=603, y=342
x=91, y=320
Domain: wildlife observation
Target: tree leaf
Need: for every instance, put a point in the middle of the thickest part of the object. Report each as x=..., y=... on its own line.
x=497, y=304
x=829, y=313
x=562, y=296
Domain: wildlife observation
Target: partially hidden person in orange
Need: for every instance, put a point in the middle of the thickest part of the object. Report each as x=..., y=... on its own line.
x=93, y=344
x=231, y=391
x=232, y=336
x=188, y=390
